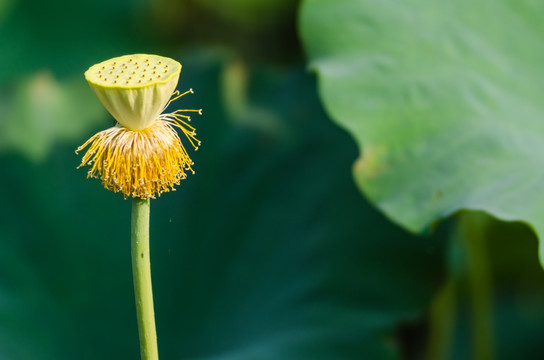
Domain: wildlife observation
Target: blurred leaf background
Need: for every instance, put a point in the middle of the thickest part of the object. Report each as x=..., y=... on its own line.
x=269, y=251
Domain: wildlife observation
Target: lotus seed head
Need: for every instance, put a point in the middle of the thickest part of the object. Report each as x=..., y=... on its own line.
x=136, y=98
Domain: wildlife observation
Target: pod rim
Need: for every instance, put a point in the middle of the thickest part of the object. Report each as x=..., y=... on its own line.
x=90, y=74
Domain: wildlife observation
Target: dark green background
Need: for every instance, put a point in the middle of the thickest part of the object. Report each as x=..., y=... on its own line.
x=268, y=252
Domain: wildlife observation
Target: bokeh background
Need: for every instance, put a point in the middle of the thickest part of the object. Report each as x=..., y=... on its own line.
x=269, y=251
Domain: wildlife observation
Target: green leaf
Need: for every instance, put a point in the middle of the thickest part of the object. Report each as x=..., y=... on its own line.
x=443, y=98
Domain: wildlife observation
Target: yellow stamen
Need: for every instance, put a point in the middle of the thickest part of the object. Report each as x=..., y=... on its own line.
x=138, y=163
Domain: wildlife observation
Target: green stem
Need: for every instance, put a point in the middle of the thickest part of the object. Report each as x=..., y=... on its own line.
x=443, y=316
x=469, y=266
x=472, y=228
x=141, y=270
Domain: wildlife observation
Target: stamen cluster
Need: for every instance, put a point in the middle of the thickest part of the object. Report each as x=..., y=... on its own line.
x=138, y=163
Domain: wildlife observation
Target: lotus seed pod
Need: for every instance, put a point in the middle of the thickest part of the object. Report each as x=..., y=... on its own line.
x=134, y=88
